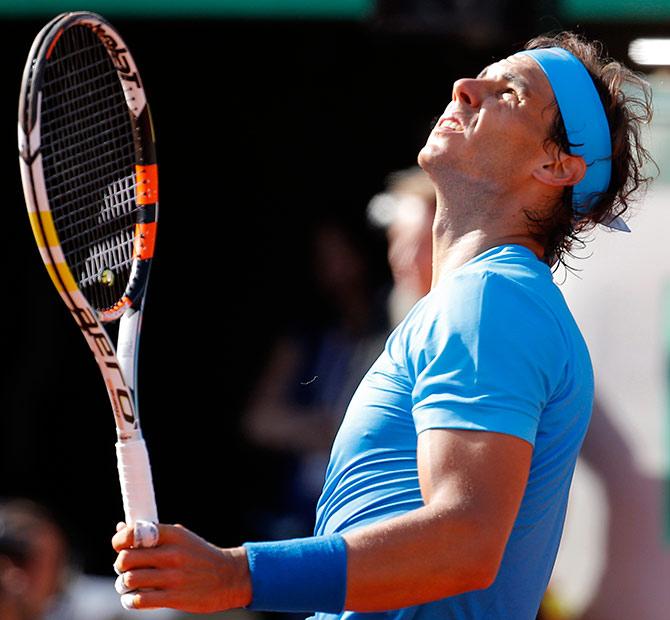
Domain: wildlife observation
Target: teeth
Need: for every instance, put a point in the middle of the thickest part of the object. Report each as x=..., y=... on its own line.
x=451, y=125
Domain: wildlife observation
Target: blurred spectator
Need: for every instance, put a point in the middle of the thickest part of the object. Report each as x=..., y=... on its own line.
x=313, y=370
x=33, y=560
x=37, y=579
x=406, y=210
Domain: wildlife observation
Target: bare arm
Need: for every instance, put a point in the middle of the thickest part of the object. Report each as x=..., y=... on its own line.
x=472, y=484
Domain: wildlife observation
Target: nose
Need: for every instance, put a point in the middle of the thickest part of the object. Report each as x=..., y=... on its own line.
x=468, y=91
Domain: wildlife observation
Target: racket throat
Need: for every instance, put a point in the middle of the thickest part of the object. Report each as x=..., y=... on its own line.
x=127, y=347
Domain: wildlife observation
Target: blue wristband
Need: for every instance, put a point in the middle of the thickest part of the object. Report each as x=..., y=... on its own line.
x=300, y=575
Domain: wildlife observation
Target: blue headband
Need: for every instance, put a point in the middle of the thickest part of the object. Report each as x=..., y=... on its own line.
x=584, y=119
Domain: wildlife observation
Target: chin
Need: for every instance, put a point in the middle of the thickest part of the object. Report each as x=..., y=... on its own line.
x=431, y=159
x=426, y=157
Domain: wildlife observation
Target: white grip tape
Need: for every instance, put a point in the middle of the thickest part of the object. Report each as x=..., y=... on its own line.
x=137, y=489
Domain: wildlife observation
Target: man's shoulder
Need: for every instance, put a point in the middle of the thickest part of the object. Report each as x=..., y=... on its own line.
x=479, y=287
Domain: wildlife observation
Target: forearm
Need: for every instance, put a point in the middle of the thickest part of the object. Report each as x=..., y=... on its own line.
x=425, y=555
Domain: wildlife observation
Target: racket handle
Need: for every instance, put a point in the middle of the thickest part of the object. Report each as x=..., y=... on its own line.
x=137, y=489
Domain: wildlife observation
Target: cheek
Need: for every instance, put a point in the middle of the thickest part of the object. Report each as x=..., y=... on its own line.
x=516, y=142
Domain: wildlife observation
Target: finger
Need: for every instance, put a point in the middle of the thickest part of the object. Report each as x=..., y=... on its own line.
x=148, y=579
x=172, y=533
x=123, y=539
x=128, y=601
x=120, y=586
x=145, y=600
x=156, y=557
x=120, y=525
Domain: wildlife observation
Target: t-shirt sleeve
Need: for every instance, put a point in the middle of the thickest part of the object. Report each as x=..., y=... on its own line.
x=487, y=356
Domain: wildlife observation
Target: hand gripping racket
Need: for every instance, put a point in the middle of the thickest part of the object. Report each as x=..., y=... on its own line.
x=88, y=166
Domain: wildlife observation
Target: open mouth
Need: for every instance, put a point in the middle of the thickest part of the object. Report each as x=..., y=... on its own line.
x=450, y=124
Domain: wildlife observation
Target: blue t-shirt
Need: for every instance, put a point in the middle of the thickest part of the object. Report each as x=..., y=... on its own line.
x=493, y=347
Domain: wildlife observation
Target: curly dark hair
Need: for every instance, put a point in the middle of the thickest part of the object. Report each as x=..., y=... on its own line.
x=626, y=110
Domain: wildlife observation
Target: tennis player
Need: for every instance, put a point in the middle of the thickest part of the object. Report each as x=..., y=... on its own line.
x=448, y=481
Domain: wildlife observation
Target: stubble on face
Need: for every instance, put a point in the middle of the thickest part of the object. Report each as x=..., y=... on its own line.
x=501, y=139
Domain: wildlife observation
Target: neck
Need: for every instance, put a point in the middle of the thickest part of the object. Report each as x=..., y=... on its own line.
x=464, y=228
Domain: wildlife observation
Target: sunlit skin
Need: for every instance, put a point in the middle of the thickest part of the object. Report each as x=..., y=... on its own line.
x=488, y=160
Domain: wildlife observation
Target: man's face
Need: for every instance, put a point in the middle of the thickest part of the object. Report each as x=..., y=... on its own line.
x=493, y=132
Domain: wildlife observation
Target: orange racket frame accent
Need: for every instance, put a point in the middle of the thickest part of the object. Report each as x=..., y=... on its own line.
x=145, y=240
x=146, y=182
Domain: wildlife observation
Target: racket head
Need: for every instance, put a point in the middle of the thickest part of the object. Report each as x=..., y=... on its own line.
x=88, y=164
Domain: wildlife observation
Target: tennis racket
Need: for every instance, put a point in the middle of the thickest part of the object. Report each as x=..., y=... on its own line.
x=88, y=167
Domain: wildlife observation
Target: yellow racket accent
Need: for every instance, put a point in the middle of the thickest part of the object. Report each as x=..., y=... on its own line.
x=43, y=221
x=61, y=273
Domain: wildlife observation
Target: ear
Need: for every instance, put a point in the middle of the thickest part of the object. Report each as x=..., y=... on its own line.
x=560, y=169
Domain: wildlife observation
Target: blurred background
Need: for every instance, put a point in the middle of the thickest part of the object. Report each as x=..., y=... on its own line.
x=278, y=122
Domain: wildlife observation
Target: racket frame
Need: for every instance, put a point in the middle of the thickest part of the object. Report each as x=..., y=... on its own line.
x=119, y=370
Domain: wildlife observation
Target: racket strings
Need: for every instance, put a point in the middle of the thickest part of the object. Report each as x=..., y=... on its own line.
x=96, y=223
x=111, y=250
x=63, y=82
x=69, y=191
x=64, y=56
x=81, y=125
x=93, y=172
x=88, y=158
